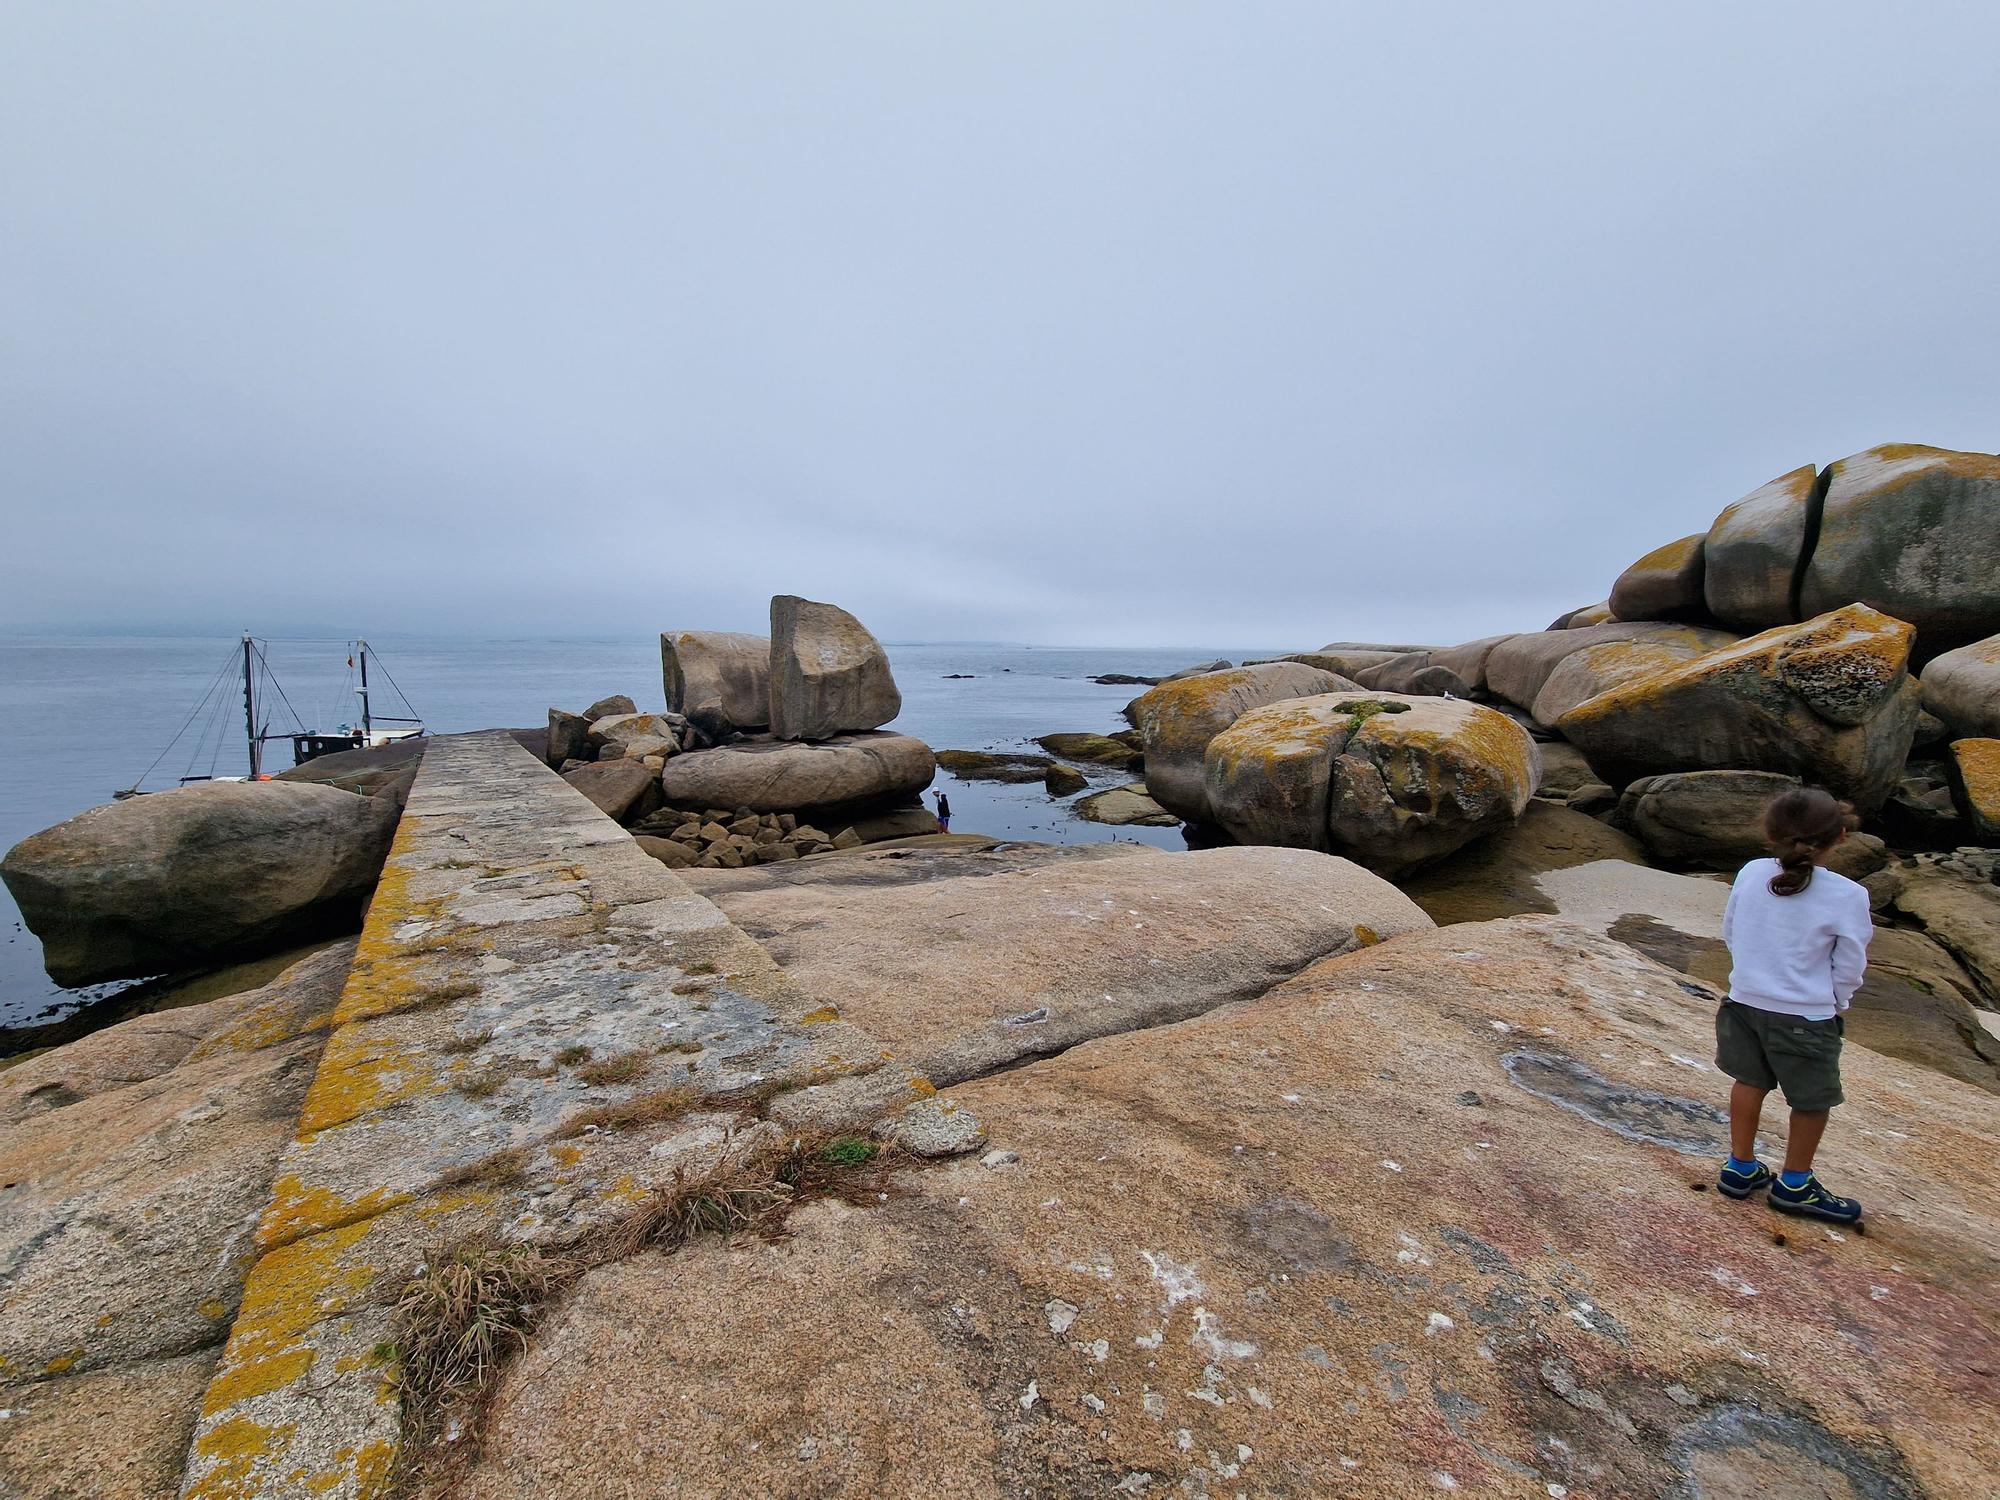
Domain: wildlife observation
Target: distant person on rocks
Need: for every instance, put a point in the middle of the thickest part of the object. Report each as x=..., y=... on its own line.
x=944, y=810
x=1798, y=946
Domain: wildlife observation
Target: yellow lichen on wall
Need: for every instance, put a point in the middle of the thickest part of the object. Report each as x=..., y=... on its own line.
x=293, y=1288
x=233, y=1451
x=300, y=1208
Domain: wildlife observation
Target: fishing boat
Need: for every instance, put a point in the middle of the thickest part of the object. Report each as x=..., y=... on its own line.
x=370, y=729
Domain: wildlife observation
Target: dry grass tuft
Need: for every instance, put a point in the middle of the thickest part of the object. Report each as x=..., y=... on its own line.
x=621, y=1069
x=470, y=1041
x=481, y=1085
x=473, y=1306
x=501, y=1169
x=729, y=1196
x=570, y=1056
x=646, y=1109
x=458, y=1321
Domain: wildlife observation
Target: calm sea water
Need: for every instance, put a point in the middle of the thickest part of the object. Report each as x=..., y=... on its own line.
x=81, y=717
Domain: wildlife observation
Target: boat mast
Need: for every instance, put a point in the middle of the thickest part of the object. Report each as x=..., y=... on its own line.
x=250, y=709
x=364, y=694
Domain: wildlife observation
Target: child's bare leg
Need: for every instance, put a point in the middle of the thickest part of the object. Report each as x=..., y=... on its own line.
x=1746, y=1107
x=1802, y=1141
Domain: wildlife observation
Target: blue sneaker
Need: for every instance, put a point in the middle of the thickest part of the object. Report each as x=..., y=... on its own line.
x=1732, y=1182
x=1811, y=1200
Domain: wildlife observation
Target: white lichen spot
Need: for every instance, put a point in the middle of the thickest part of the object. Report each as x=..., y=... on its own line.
x=1443, y=1480
x=1258, y=1398
x=1878, y=1293
x=1154, y=1403
x=1438, y=1323
x=1060, y=1315
x=1151, y=1340
x=1208, y=1335
x=1393, y=1166
x=1184, y=1440
x=1178, y=1281
x=1031, y=1395
x=1097, y=1349
x=1093, y=1402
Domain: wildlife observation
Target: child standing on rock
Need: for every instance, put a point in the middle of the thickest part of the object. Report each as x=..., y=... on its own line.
x=1798, y=946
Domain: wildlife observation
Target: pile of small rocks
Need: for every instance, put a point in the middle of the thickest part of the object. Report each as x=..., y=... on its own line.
x=717, y=838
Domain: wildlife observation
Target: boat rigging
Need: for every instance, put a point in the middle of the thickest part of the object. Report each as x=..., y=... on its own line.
x=372, y=731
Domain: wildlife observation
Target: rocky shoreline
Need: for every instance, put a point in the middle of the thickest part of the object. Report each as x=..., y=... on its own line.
x=1360, y=1148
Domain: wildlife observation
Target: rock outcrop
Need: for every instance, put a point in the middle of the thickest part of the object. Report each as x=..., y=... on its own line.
x=1176, y=720
x=1096, y=749
x=568, y=739
x=1124, y=806
x=1831, y=701
x=1756, y=549
x=197, y=876
x=974, y=961
x=1498, y=875
x=770, y=775
x=1975, y=783
x=1714, y=820
x=1328, y=1242
x=1665, y=584
x=1962, y=688
x=1518, y=667
x=137, y=1161
x=1605, y=664
x=719, y=679
x=1915, y=533
x=622, y=790
x=1418, y=673
x=994, y=765
x=829, y=676
x=1388, y=780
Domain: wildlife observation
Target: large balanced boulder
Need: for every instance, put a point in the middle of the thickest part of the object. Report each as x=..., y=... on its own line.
x=1755, y=549
x=1962, y=688
x=1831, y=700
x=719, y=679
x=770, y=775
x=829, y=676
x=1176, y=720
x=196, y=876
x=1913, y=532
x=1603, y=665
x=1665, y=584
x=1390, y=781
x=1331, y=1242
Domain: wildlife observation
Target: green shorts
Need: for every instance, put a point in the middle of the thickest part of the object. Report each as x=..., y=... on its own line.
x=1768, y=1049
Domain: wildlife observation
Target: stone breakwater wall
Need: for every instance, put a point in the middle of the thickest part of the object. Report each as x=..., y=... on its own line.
x=540, y=1025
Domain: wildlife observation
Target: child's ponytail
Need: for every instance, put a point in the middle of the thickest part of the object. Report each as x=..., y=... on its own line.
x=1800, y=825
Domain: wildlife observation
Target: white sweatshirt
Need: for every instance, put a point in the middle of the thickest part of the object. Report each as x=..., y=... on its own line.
x=1800, y=955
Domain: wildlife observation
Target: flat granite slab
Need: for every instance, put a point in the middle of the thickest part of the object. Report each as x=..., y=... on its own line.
x=530, y=990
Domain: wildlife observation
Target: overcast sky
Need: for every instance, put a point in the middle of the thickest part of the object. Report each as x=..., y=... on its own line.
x=1066, y=323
